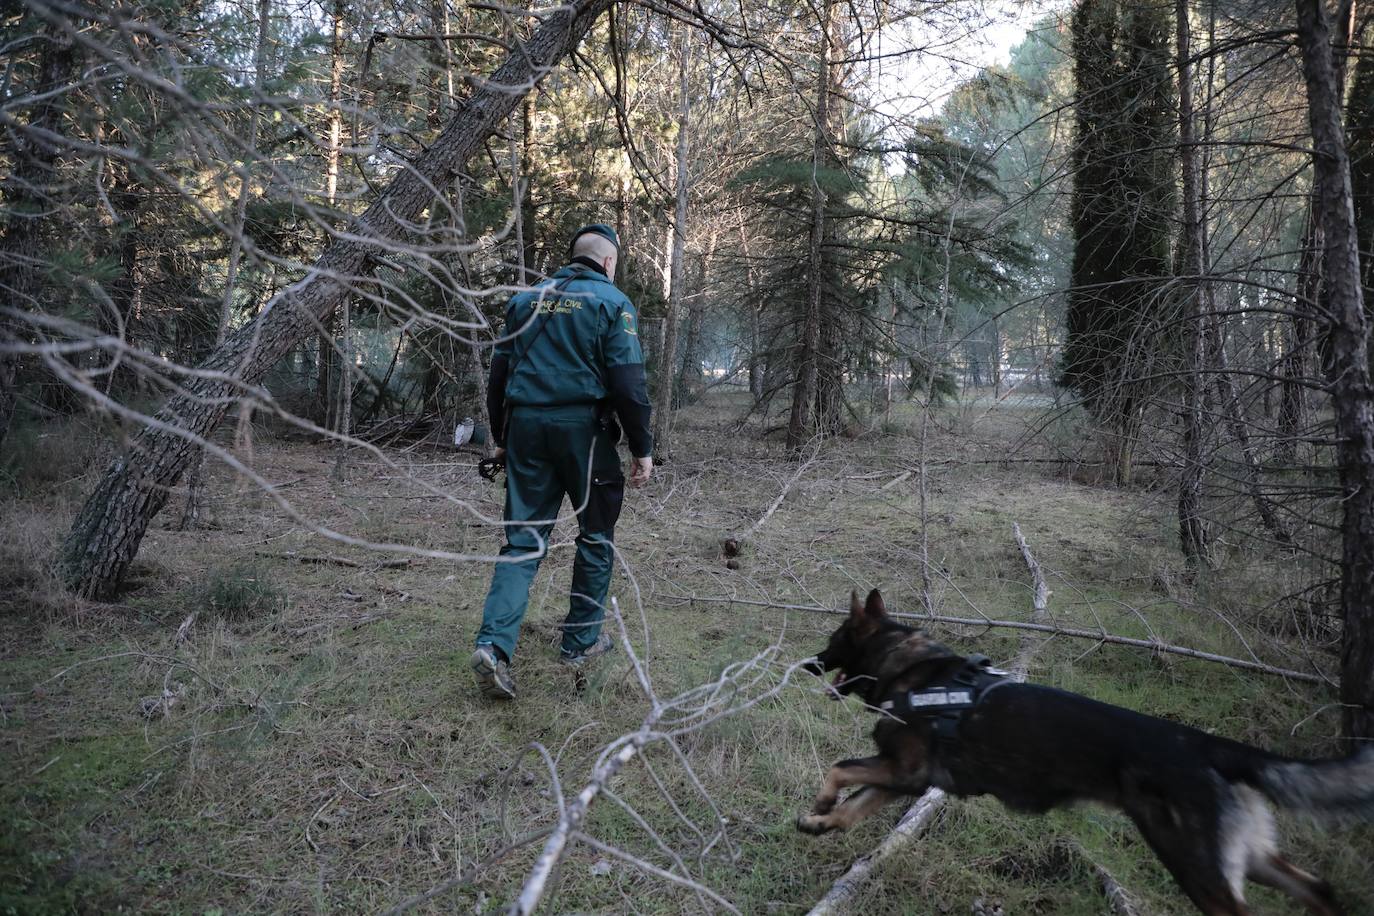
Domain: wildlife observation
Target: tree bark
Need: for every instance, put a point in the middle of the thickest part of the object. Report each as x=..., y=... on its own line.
x=1229, y=404
x=667, y=362
x=107, y=532
x=1192, y=529
x=333, y=149
x=26, y=196
x=801, y=420
x=1352, y=397
x=689, y=378
x=1360, y=135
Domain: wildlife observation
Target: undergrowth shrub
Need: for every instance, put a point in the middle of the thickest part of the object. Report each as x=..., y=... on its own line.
x=40, y=457
x=241, y=591
x=26, y=548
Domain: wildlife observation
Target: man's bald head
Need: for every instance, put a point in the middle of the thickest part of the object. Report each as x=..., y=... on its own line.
x=598, y=248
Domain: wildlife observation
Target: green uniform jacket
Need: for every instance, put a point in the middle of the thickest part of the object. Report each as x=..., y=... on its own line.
x=572, y=340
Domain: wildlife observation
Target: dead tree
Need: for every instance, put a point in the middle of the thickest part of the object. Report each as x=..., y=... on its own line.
x=107, y=532
x=1352, y=397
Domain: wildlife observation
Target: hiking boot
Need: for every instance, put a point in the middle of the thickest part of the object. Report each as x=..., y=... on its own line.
x=494, y=676
x=603, y=644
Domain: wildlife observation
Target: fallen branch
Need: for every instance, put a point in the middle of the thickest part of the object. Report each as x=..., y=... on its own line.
x=894, y=481
x=1100, y=636
x=787, y=488
x=739, y=687
x=1040, y=600
x=845, y=891
x=330, y=559
x=569, y=822
x=1116, y=895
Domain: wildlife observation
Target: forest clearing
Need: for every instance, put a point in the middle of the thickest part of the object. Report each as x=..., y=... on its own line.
x=997, y=361
x=326, y=751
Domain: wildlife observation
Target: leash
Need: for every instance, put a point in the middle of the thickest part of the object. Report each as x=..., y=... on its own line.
x=491, y=468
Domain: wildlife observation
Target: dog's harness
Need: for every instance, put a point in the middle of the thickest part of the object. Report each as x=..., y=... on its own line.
x=944, y=702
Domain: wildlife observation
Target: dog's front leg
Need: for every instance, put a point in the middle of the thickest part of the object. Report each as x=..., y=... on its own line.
x=860, y=771
x=852, y=810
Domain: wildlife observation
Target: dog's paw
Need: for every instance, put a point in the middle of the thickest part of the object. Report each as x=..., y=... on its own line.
x=823, y=806
x=814, y=824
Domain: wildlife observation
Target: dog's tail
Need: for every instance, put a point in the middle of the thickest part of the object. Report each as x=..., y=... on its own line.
x=1339, y=789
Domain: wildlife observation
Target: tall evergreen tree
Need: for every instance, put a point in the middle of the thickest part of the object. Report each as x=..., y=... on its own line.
x=1122, y=205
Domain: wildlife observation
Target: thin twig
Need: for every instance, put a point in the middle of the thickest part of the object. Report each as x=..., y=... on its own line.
x=787, y=488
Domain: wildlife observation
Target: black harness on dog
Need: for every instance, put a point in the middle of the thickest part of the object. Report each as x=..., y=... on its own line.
x=944, y=702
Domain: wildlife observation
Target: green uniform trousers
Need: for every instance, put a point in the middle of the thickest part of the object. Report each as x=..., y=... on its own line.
x=552, y=452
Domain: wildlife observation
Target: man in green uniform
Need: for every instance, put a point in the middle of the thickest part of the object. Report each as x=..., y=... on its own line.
x=569, y=366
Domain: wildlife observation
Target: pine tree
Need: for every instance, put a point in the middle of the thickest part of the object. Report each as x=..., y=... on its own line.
x=1122, y=205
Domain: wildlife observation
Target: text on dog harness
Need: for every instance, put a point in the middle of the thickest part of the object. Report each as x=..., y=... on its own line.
x=943, y=704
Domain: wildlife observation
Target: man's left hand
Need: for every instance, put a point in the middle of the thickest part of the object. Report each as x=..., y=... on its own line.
x=641, y=471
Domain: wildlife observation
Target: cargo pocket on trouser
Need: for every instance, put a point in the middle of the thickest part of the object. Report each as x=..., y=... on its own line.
x=603, y=504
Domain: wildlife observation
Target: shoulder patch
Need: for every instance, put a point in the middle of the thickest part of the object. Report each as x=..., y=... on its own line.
x=627, y=323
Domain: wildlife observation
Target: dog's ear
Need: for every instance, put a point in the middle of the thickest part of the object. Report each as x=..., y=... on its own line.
x=856, y=607
x=874, y=606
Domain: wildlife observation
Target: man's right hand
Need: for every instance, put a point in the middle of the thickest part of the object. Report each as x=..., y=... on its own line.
x=640, y=471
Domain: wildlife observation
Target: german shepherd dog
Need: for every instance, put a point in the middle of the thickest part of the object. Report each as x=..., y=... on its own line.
x=1198, y=799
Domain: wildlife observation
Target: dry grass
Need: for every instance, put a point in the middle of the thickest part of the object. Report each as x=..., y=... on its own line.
x=330, y=754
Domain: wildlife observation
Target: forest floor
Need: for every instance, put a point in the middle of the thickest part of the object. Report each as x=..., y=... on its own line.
x=324, y=748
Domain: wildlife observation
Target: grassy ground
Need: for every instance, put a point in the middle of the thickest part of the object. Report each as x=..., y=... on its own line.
x=312, y=741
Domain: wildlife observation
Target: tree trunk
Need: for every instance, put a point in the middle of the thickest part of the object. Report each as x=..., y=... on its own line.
x=667, y=363
x=346, y=366
x=1360, y=135
x=1192, y=528
x=190, y=514
x=996, y=358
x=333, y=148
x=527, y=220
x=26, y=197
x=107, y=532
x=441, y=82
x=1230, y=407
x=690, y=372
x=1352, y=397
x=756, y=367
x=801, y=420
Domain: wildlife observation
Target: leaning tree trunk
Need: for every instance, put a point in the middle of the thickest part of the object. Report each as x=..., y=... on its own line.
x=1352, y=397
x=107, y=533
